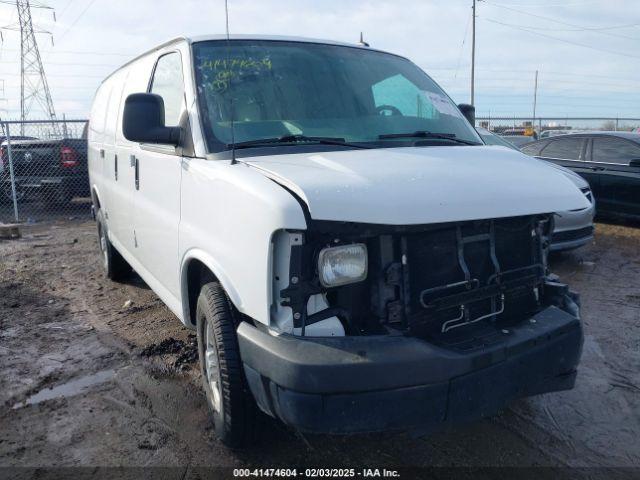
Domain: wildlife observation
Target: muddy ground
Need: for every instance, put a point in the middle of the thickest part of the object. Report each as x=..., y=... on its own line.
x=100, y=373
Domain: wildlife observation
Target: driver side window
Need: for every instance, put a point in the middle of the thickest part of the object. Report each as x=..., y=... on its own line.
x=169, y=84
x=397, y=93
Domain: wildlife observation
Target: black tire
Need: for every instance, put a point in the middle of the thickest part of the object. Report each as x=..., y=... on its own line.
x=115, y=267
x=234, y=411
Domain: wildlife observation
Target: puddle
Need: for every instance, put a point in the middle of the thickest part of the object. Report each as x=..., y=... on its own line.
x=69, y=389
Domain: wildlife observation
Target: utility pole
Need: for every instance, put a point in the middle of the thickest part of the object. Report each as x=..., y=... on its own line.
x=473, y=51
x=535, y=98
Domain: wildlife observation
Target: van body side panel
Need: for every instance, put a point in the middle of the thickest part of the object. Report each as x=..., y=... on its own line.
x=158, y=287
x=110, y=171
x=156, y=216
x=230, y=213
x=156, y=213
x=121, y=206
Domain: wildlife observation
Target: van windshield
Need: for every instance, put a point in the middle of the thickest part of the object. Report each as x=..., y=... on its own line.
x=299, y=92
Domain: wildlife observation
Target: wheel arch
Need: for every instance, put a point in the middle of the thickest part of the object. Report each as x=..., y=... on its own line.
x=95, y=198
x=198, y=268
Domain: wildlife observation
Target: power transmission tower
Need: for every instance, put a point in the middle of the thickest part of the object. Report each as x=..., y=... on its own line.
x=33, y=81
x=34, y=87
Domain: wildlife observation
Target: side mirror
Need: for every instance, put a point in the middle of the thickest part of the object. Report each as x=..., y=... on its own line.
x=143, y=120
x=634, y=162
x=469, y=112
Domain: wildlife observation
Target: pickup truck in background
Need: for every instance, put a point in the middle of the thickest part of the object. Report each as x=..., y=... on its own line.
x=52, y=171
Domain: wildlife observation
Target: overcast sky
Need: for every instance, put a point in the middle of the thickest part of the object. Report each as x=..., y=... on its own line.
x=587, y=52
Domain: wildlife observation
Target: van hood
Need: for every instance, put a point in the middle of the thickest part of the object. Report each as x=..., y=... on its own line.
x=573, y=176
x=416, y=185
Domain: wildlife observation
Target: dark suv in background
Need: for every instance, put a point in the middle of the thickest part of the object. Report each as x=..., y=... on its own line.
x=609, y=161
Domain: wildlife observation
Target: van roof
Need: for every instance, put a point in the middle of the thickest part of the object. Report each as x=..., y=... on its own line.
x=281, y=38
x=276, y=38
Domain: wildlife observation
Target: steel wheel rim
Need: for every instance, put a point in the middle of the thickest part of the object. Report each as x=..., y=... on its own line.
x=212, y=367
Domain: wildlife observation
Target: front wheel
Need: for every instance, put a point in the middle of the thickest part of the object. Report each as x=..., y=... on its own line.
x=231, y=404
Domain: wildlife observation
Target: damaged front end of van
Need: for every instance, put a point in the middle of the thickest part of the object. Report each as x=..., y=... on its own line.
x=412, y=325
x=450, y=324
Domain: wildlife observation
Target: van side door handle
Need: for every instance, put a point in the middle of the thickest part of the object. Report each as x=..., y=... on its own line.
x=133, y=161
x=102, y=153
x=137, y=167
x=115, y=167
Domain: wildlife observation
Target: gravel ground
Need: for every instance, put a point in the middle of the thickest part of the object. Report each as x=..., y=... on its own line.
x=101, y=373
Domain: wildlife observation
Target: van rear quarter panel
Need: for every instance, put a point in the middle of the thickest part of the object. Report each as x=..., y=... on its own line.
x=229, y=214
x=95, y=139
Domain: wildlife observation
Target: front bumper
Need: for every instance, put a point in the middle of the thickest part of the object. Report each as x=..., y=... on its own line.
x=570, y=239
x=378, y=383
x=573, y=229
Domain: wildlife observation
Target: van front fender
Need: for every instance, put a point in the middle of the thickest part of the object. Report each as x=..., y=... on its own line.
x=198, y=255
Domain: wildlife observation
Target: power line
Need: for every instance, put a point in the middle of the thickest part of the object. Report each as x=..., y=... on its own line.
x=31, y=4
x=110, y=65
x=76, y=52
x=464, y=39
x=560, y=22
x=562, y=39
x=77, y=19
x=70, y=75
x=546, y=72
x=547, y=4
x=495, y=80
x=584, y=29
x=66, y=7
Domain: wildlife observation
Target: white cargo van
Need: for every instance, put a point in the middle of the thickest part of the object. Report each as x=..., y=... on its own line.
x=351, y=254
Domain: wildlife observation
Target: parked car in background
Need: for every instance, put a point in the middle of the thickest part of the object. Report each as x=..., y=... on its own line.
x=573, y=228
x=351, y=259
x=54, y=171
x=609, y=161
x=519, y=140
x=552, y=133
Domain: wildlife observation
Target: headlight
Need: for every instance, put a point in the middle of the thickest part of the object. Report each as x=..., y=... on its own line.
x=342, y=265
x=587, y=193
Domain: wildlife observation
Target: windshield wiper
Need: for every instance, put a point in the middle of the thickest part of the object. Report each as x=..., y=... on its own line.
x=425, y=134
x=261, y=142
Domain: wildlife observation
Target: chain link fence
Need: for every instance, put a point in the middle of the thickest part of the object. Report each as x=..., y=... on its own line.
x=43, y=171
x=558, y=124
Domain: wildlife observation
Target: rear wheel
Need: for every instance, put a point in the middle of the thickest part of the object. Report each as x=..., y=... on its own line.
x=115, y=266
x=232, y=407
